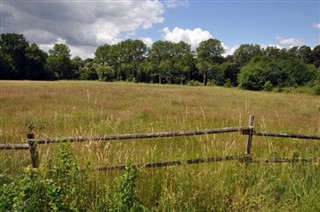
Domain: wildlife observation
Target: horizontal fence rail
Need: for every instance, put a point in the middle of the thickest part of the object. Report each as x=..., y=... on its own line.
x=286, y=135
x=241, y=158
x=247, y=157
x=139, y=135
x=14, y=146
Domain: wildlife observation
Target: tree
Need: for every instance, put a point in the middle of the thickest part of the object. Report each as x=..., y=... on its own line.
x=131, y=53
x=7, y=70
x=183, y=62
x=59, y=61
x=245, y=52
x=161, y=55
x=105, y=72
x=76, y=64
x=36, y=64
x=272, y=51
x=316, y=56
x=279, y=72
x=88, y=70
x=13, y=53
x=208, y=54
x=305, y=54
x=230, y=71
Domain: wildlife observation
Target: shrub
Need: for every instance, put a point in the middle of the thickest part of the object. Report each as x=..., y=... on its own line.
x=125, y=197
x=267, y=86
x=194, y=83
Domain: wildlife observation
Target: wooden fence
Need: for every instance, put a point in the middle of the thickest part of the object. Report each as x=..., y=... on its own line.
x=246, y=157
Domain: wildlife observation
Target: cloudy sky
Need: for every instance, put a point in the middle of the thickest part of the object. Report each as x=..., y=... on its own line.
x=86, y=24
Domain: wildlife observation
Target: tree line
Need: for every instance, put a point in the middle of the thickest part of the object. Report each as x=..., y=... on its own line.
x=250, y=67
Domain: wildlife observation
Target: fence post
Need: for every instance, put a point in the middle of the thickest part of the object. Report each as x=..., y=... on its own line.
x=250, y=135
x=33, y=150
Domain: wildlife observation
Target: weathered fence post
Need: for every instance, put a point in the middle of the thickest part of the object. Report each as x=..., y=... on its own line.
x=250, y=134
x=33, y=150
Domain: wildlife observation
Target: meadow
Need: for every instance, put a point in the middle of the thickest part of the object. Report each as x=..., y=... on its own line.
x=84, y=108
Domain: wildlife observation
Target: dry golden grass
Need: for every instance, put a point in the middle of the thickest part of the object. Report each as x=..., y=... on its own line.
x=72, y=108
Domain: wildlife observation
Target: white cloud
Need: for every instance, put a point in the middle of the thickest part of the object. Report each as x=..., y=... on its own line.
x=148, y=41
x=81, y=51
x=289, y=42
x=80, y=23
x=228, y=50
x=316, y=26
x=192, y=37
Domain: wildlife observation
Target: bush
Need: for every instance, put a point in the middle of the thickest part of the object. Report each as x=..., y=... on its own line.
x=125, y=197
x=316, y=89
x=194, y=83
x=37, y=190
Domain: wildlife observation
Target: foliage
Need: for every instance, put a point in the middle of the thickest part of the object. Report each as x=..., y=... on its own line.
x=60, y=189
x=165, y=62
x=279, y=72
x=208, y=56
x=91, y=108
x=125, y=198
x=59, y=61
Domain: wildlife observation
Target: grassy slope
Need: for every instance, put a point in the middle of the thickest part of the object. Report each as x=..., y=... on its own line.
x=90, y=108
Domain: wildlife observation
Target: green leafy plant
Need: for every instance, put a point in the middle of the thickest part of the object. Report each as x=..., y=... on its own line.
x=125, y=198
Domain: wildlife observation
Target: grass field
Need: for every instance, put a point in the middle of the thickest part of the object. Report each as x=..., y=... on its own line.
x=72, y=108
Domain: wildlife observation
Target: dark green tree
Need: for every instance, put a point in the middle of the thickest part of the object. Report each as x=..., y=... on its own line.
x=36, y=64
x=245, y=52
x=280, y=72
x=208, y=56
x=161, y=55
x=305, y=54
x=59, y=62
x=316, y=56
x=88, y=70
x=13, y=56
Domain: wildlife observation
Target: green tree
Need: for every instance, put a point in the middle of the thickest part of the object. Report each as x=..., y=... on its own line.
x=59, y=62
x=13, y=56
x=105, y=72
x=183, y=62
x=7, y=70
x=279, y=72
x=208, y=55
x=36, y=64
x=88, y=70
x=245, y=52
x=305, y=54
x=230, y=71
x=76, y=64
x=132, y=53
x=316, y=56
x=161, y=55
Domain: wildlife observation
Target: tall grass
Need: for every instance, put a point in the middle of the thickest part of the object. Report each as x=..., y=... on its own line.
x=65, y=108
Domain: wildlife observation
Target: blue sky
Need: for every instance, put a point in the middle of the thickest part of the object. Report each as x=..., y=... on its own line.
x=280, y=23
x=85, y=24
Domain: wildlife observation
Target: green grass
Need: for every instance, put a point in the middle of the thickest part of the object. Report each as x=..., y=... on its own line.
x=72, y=108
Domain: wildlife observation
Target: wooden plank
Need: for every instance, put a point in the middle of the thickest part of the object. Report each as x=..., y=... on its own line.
x=33, y=150
x=139, y=135
x=283, y=160
x=250, y=135
x=174, y=163
x=287, y=135
x=14, y=147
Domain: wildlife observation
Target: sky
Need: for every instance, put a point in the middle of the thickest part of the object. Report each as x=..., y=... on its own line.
x=84, y=25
